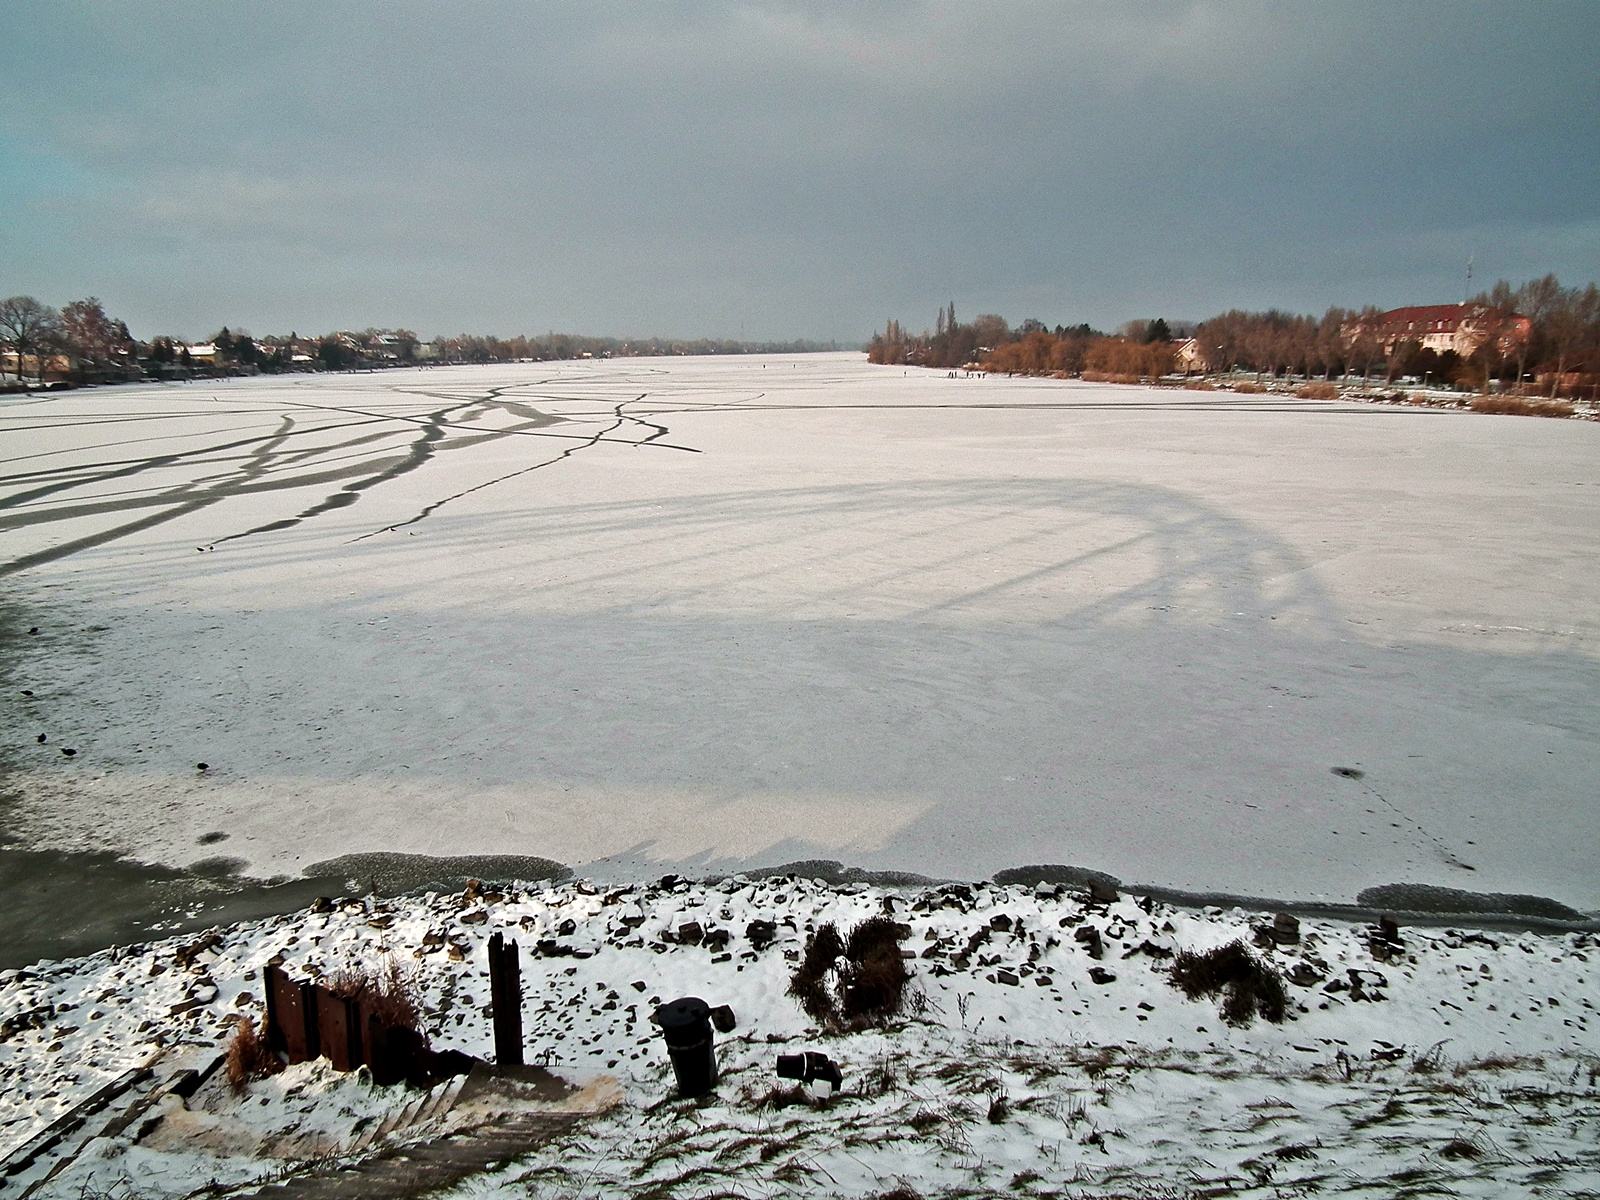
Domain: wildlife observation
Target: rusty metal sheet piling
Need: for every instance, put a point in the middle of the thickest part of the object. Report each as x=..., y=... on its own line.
x=338, y=1030
x=291, y=1016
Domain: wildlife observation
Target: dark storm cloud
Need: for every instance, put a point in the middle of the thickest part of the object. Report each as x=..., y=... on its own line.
x=787, y=169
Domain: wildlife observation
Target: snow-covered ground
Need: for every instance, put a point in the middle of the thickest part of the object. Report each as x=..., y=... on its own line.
x=1467, y=1062
x=706, y=615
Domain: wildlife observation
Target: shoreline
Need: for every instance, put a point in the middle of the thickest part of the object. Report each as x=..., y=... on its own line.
x=1028, y=1011
x=165, y=901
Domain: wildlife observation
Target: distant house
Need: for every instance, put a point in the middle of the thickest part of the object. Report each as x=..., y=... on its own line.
x=205, y=353
x=29, y=364
x=387, y=347
x=1440, y=327
x=1188, y=356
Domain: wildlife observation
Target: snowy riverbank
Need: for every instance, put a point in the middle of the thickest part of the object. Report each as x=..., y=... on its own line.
x=1021, y=1061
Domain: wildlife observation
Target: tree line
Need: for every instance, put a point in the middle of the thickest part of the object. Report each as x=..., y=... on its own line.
x=474, y=348
x=1558, y=348
x=82, y=343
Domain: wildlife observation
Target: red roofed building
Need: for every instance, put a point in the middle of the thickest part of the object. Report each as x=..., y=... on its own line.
x=1440, y=327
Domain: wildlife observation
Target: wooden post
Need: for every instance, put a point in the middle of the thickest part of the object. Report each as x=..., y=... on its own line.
x=505, y=993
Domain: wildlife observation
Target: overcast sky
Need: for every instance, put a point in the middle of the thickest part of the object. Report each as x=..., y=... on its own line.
x=783, y=171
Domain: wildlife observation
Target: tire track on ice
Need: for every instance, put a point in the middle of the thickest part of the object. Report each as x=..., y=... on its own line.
x=620, y=420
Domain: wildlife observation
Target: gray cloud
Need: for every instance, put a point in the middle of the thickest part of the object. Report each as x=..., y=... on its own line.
x=787, y=169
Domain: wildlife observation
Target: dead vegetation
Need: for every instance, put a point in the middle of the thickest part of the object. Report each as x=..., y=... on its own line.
x=1113, y=377
x=1249, y=986
x=850, y=983
x=248, y=1057
x=1318, y=391
x=994, y=1106
x=788, y=1097
x=1519, y=406
x=392, y=993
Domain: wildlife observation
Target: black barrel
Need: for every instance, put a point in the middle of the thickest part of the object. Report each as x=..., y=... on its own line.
x=686, y=1026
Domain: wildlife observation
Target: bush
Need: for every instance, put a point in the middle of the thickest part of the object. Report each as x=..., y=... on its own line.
x=851, y=982
x=809, y=985
x=1120, y=357
x=1318, y=391
x=391, y=994
x=248, y=1057
x=1249, y=986
x=1517, y=406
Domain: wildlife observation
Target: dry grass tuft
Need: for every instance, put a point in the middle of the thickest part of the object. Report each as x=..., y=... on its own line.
x=1430, y=1061
x=1249, y=389
x=1517, y=406
x=1200, y=385
x=1490, y=1062
x=1249, y=986
x=392, y=993
x=399, y=998
x=809, y=984
x=1318, y=391
x=855, y=981
x=787, y=1097
x=925, y=1119
x=248, y=1056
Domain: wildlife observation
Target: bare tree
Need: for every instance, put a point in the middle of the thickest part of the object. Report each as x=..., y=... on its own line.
x=1588, y=306
x=1493, y=328
x=1563, y=334
x=1398, y=360
x=1368, y=344
x=88, y=334
x=29, y=328
x=1330, y=340
x=1538, y=300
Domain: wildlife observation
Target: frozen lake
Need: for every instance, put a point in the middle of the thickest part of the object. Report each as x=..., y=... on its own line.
x=703, y=614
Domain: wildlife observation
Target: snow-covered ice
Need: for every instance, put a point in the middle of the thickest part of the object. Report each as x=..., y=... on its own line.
x=641, y=615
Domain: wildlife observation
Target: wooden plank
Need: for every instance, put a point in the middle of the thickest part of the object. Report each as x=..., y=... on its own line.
x=415, y=1170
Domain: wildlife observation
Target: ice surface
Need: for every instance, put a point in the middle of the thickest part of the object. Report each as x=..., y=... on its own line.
x=707, y=614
